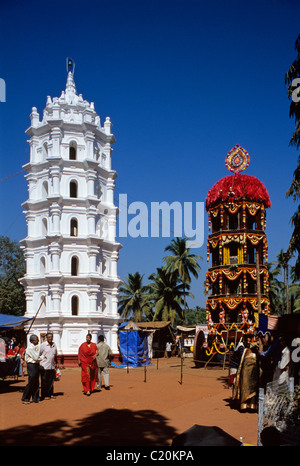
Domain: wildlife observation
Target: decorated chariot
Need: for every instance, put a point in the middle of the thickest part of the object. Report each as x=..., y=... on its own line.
x=237, y=281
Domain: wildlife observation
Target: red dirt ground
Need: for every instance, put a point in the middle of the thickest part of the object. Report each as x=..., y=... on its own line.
x=141, y=409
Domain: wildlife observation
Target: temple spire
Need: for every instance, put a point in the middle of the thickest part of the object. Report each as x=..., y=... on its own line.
x=70, y=86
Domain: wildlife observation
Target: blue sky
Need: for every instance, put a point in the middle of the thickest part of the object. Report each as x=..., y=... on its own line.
x=183, y=81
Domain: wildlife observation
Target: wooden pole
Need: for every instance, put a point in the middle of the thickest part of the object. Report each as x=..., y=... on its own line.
x=127, y=349
x=235, y=337
x=224, y=361
x=258, y=283
x=288, y=311
x=43, y=301
x=145, y=358
x=181, y=361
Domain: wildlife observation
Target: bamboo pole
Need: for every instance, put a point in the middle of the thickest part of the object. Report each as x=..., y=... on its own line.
x=181, y=361
x=127, y=349
x=145, y=359
x=43, y=301
x=224, y=360
x=258, y=283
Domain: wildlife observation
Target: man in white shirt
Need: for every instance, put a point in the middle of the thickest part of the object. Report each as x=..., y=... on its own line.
x=103, y=359
x=48, y=352
x=32, y=359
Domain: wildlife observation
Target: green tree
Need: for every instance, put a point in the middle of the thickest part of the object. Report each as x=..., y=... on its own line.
x=134, y=299
x=291, y=80
x=196, y=316
x=294, y=292
x=283, y=263
x=12, y=268
x=167, y=294
x=182, y=263
x=276, y=289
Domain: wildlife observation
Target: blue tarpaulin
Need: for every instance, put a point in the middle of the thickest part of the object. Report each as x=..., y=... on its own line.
x=8, y=321
x=133, y=345
x=263, y=323
x=267, y=323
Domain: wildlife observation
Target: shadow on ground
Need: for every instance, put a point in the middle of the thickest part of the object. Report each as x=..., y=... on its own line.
x=111, y=427
x=10, y=386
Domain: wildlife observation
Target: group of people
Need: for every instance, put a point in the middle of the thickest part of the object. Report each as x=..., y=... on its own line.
x=11, y=353
x=94, y=361
x=41, y=362
x=173, y=348
x=10, y=348
x=255, y=363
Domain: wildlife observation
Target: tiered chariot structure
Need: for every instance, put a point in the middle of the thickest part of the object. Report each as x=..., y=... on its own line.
x=238, y=249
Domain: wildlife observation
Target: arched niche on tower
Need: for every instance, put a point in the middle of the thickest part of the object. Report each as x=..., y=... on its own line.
x=99, y=190
x=45, y=150
x=44, y=226
x=74, y=305
x=98, y=153
x=104, y=303
x=73, y=227
x=45, y=189
x=74, y=266
x=42, y=268
x=73, y=150
x=73, y=189
x=104, y=267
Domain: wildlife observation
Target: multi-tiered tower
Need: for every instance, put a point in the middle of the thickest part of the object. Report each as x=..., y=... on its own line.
x=237, y=244
x=71, y=251
x=238, y=249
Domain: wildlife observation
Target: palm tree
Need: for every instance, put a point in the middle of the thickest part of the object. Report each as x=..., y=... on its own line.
x=134, y=299
x=283, y=259
x=294, y=246
x=294, y=292
x=182, y=263
x=196, y=316
x=167, y=295
x=294, y=190
x=276, y=289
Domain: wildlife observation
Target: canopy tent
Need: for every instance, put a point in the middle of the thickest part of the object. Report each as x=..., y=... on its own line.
x=133, y=345
x=186, y=336
x=8, y=321
x=187, y=328
x=159, y=332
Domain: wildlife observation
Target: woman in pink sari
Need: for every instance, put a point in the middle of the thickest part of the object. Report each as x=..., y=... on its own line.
x=87, y=361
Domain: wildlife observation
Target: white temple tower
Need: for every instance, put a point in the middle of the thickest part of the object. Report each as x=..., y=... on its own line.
x=70, y=250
